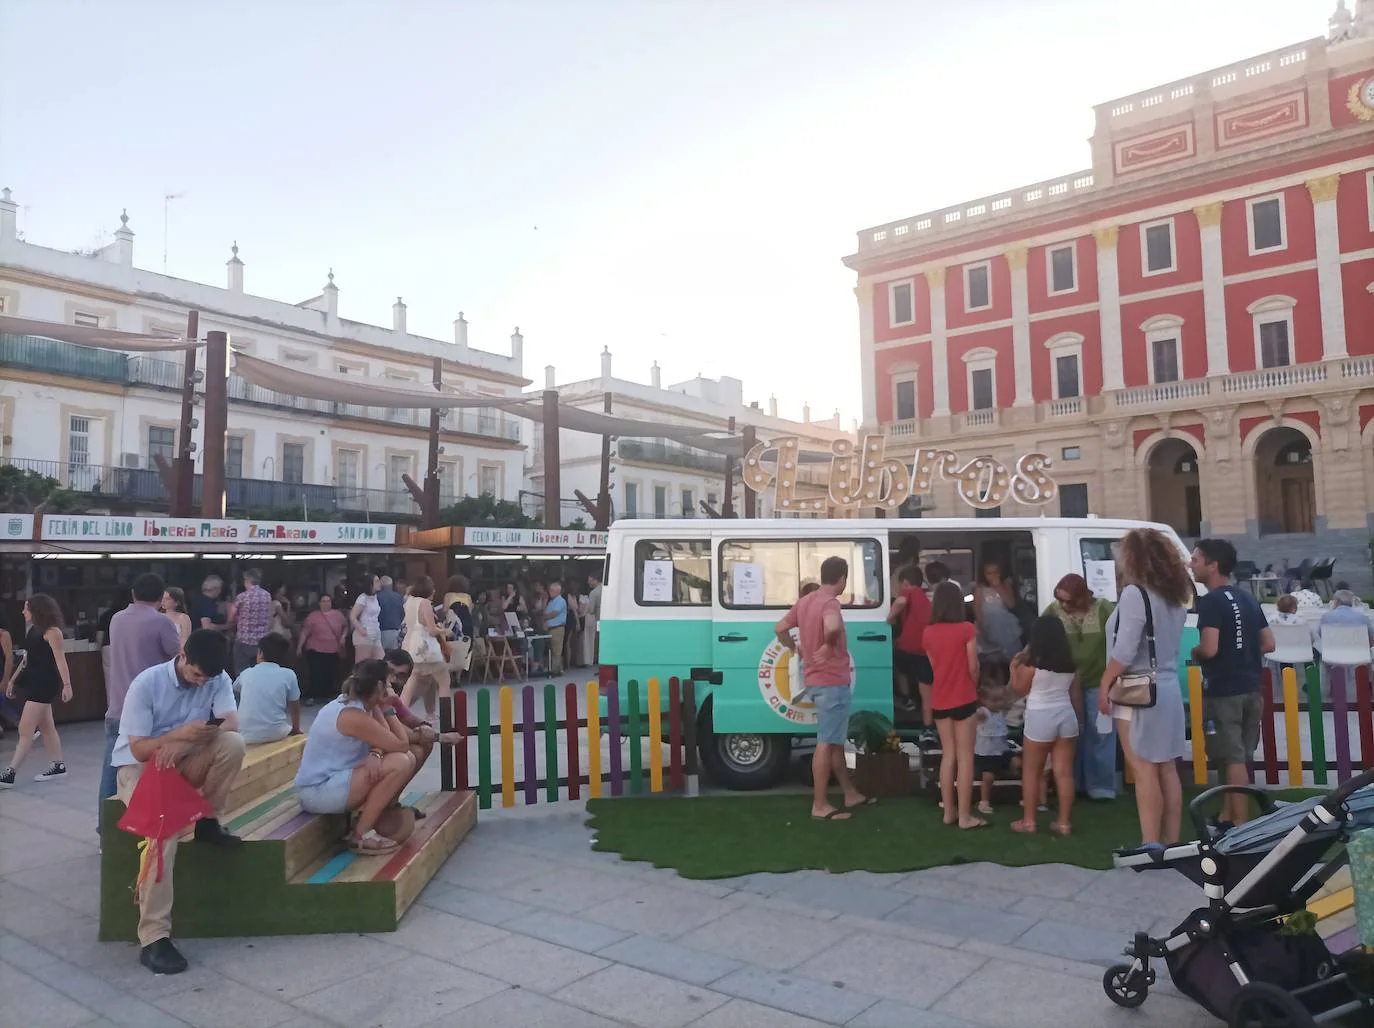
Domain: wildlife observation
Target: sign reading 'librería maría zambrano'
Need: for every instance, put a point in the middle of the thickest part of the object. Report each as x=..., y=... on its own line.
x=866, y=476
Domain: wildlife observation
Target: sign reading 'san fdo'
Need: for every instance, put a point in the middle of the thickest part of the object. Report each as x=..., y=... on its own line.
x=78, y=528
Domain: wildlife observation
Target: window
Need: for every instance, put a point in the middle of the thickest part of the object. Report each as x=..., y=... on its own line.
x=397, y=468
x=293, y=463
x=770, y=573
x=977, y=289
x=79, y=442
x=162, y=442
x=233, y=456
x=688, y=504
x=1164, y=359
x=673, y=573
x=902, y=303
x=1062, y=278
x=1066, y=380
x=1073, y=500
x=712, y=499
x=1163, y=334
x=904, y=398
x=631, y=499
x=489, y=479
x=4, y=301
x=660, y=501
x=1157, y=245
x=1273, y=337
x=1071, y=453
x=297, y=357
x=86, y=320
x=347, y=467
x=448, y=484
x=980, y=388
x=1266, y=224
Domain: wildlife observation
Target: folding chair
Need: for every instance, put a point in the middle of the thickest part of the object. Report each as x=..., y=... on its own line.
x=1343, y=646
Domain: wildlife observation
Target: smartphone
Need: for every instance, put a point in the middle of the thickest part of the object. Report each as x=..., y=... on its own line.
x=215, y=722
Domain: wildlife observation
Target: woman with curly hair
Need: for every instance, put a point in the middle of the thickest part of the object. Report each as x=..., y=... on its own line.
x=1152, y=738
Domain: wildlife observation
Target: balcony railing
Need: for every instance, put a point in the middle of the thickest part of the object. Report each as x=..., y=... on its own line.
x=658, y=452
x=36, y=354
x=144, y=487
x=981, y=418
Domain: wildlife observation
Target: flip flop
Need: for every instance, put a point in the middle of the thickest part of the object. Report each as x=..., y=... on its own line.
x=976, y=822
x=1024, y=827
x=1060, y=830
x=834, y=815
x=869, y=801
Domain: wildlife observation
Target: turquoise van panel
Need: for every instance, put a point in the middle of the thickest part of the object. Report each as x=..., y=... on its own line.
x=662, y=649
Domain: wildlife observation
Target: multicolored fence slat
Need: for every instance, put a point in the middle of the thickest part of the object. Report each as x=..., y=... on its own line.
x=1317, y=727
x=551, y=743
x=484, y=749
x=527, y=740
x=574, y=765
x=613, y=730
x=675, y=779
x=1198, y=726
x=593, y=741
x=1290, y=726
x=1364, y=707
x=632, y=731
x=506, y=706
x=460, y=756
x=655, y=738
x=1340, y=709
x=1269, y=741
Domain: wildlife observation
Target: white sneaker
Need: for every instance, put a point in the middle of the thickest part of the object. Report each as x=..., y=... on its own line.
x=57, y=770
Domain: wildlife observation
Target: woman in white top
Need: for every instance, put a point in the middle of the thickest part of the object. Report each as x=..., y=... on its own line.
x=365, y=619
x=430, y=679
x=1044, y=672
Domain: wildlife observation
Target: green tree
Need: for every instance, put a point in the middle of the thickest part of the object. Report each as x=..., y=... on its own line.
x=485, y=510
x=23, y=491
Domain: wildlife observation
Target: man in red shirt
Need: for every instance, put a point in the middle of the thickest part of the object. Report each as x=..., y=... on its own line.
x=911, y=614
x=829, y=680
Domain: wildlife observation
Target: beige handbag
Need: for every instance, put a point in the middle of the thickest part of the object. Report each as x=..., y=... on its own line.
x=1139, y=689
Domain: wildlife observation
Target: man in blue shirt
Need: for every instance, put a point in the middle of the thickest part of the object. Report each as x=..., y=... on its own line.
x=392, y=612
x=269, y=694
x=556, y=621
x=1233, y=636
x=167, y=720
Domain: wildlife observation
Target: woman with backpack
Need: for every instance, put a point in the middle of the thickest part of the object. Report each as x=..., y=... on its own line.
x=1085, y=622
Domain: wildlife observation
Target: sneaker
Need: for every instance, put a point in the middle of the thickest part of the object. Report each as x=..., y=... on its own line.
x=58, y=770
x=7, y=778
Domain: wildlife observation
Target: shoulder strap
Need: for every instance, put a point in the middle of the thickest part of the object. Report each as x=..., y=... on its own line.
x=1149, y=627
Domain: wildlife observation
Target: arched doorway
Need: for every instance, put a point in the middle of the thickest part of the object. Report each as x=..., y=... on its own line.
x=1285, y=485
x=1174, y=490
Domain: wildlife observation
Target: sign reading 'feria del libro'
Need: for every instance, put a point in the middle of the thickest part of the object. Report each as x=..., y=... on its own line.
x=83, y=528
x=866, y=476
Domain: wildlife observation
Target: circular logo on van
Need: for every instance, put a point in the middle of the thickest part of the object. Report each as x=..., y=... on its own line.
x=780, y=678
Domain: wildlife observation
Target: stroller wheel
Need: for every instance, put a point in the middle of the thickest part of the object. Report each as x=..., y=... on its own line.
x=1125, y=986
x=1261, y=1005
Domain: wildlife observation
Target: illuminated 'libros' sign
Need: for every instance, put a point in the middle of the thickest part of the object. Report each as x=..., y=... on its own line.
x=867, y=477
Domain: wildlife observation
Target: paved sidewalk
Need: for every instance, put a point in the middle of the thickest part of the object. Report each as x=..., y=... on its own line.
x=527, y=926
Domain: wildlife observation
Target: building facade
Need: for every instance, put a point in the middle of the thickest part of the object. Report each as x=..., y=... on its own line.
x=661, y=478
x=1186, y=327
x=97, y=420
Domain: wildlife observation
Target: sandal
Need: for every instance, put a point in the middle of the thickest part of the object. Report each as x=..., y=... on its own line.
x=834, y=815
x=868, y=801
x=1024, y=827
x=371, y=844
x=985, y=808
x=973, y=822
x=1061, y=830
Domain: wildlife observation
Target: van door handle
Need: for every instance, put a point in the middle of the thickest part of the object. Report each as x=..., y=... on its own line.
x=871, y=638
x=732, y=638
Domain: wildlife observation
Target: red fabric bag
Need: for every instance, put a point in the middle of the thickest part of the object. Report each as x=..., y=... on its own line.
x=162, y=805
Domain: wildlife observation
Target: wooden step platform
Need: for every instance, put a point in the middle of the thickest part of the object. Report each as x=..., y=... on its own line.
x=292, y=876
x=1334, y=907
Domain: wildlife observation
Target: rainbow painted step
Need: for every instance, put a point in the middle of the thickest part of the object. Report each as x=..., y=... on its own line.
x=292, y=876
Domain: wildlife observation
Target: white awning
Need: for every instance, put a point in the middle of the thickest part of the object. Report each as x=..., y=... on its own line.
x=87, y=335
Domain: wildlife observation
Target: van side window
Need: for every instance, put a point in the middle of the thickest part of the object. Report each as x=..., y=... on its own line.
x=769, y=574
x=1096, y=554
x=673, y=573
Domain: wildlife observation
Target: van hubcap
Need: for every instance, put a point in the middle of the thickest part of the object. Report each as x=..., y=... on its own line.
x=743, y=751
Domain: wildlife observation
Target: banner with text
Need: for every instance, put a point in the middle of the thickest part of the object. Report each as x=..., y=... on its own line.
x=536, y=538
x=80, y=528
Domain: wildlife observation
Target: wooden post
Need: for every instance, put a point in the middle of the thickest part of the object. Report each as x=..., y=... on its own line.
x=216, y=424
x=727, y=506
x=553, y=486
x=183, y=496
x=429, y=510
x=751, y=498
x=603, y=495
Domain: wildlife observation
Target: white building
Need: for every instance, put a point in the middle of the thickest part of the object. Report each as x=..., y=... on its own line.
x=96, y=419
x=659, y=478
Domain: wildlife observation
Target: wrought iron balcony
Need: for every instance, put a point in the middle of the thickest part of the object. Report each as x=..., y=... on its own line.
x=657, y=451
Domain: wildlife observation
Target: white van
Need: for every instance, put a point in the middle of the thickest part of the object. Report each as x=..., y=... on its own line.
x=699, y=599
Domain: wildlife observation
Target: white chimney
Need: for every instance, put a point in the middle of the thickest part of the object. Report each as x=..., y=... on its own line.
x=656, y=376
x=460, y=331
x=124, y=242
x=517, y=348
x=548, y=376
x=331, y=300
x=9, y=216
x=235, y=267
x=806, y=412
x=398, y=315
x=772, y=406
x=605, y=362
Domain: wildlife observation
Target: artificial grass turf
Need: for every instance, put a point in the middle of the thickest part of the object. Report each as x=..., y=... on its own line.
x=725, y=836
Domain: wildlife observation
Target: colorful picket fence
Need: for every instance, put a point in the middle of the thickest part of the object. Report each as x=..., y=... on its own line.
x=571, y=744
x=1327, y=765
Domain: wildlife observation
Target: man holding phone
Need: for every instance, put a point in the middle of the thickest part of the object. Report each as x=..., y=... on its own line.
x=180, y=714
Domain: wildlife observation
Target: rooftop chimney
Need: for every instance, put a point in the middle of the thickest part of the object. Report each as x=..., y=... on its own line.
x=548, y=376
x=460, y=331
x=806, y=412
x=517, y=348
x=331, y=300
x=398, y=315
x=9, y=216
x=605, y=362
x=656, y=376
x=235, y=267
x=124, y=242
x=772, y=406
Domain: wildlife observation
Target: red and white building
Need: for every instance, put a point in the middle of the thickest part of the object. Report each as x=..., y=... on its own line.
x=1186, y=326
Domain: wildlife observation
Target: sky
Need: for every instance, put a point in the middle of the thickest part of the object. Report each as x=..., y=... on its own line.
x=677, y=180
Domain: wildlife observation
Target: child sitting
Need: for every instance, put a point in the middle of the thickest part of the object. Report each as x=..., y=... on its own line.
x=991, y=756
x=269, y=694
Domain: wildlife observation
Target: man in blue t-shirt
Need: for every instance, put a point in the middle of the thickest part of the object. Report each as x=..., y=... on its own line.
x=556, y=621
x=391, y=612
x=1233, y=636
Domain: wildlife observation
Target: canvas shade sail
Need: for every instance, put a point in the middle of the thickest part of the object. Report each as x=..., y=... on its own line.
x=88, y=335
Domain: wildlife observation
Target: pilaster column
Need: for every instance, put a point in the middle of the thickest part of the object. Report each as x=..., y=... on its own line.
x=1213, y=290
x=1329, y=286
x=1109, y=308
x=868, y=371
x=1020, y=326
x=939, y=343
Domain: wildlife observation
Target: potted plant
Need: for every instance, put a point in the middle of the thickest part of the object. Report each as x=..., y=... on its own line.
x=880, y=766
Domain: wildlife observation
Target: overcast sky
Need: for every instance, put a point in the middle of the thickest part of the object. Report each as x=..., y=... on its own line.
x=675, y=179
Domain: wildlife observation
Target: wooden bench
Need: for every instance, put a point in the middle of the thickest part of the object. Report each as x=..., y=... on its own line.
x=292, y=876
x=1334, y=907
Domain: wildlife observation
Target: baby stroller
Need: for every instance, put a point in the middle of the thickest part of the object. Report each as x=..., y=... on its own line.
x=1236, y=956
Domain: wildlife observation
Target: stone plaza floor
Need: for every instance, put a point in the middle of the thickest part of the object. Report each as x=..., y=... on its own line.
x=527, y=926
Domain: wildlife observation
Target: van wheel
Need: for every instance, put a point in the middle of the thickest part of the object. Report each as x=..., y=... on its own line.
x=745, y=761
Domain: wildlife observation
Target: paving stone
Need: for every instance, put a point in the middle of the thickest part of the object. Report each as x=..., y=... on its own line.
x=226, y=1004
x=957, y=890
x=405, y=995
x=476, y=906
x=765, y=938
x=21, y=953
x=887, y=1014
x=568, y=890
x=25, y=847
x=787, y=990
x=486, y=868
x=890, y=968
x=530, y=963
x=288, y=967
x=1031, y=958
x=669, y=959
x=439, y=934
x=900, y=930
x=42, y=1006
x=1076, y=912
x=31, y=916
x=835, y=893
x=1054, y=881
x=1075, y=942
x=520, y=1008
x=73, y=883
x=658, y=911
x=562, y=930
x=961, y=919
x=640, y=998
x=740, y=1013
